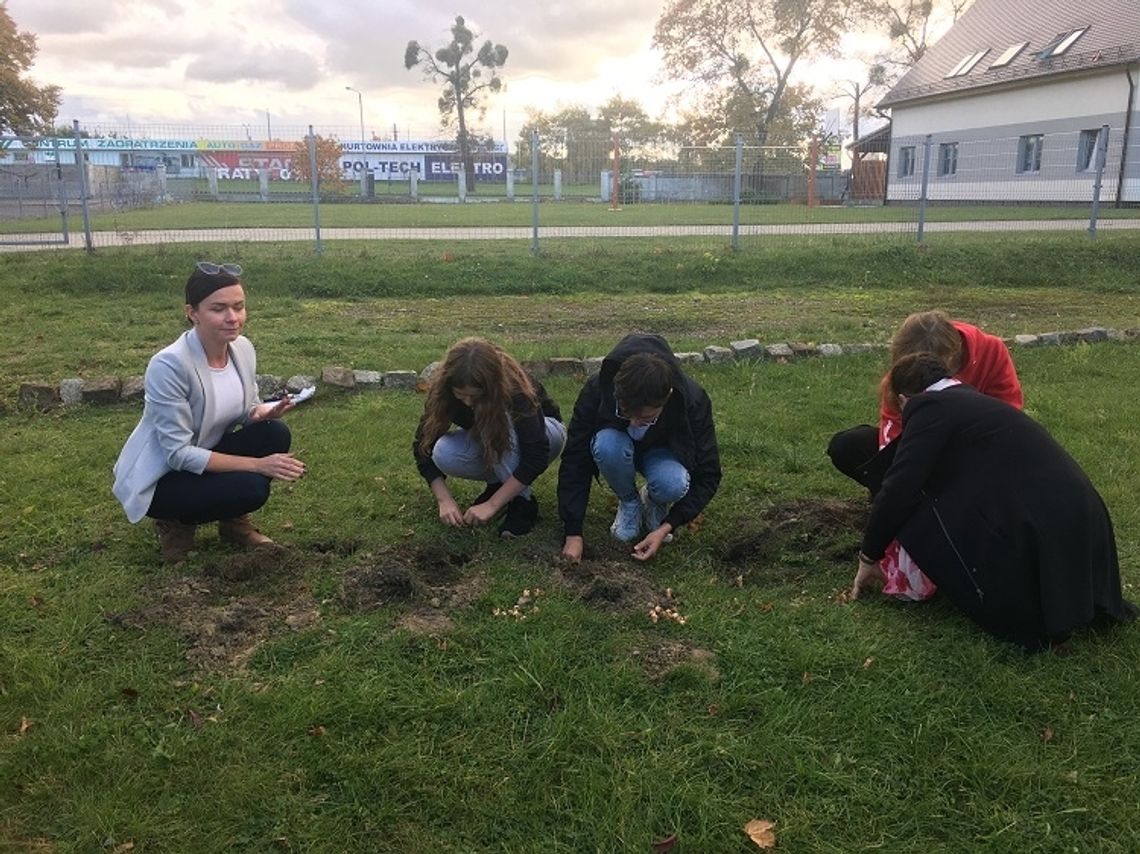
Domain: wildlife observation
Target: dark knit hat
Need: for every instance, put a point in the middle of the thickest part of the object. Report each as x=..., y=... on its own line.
x=207, y=278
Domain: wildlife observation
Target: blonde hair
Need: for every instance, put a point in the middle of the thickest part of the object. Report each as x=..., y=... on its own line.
x=476, y=363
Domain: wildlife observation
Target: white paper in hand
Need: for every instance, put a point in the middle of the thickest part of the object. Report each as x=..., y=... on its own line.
x=303, y=395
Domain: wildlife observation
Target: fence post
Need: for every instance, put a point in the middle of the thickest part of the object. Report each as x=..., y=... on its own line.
x=461, y=185
x=212, y=179
x=1101, y=156
x=926, y=149
x=736, y=178
x=414, y=184
x=510, y=181
x=62, y=187
x=315, y=185
x=81, y=168
x=534, y=191
x=263, y=183
x=615, y=178
x=557, y=185
x=813, y=157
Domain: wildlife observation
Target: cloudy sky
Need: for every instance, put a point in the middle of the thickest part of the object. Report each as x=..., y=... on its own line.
x=157, y=66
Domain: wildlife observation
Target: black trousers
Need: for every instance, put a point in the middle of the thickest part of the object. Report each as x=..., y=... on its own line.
x=856, y=453
x=194, y=499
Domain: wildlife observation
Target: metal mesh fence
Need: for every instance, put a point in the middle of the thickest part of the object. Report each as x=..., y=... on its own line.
x=216, y=183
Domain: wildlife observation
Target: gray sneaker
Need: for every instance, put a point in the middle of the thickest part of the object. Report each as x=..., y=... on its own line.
x=627, y=523
x=652, y=513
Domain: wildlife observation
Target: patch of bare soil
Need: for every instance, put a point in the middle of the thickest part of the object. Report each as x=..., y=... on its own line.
x=433, y=576
x=613, y=586
x=662, y=659
x=225, y=613
x=779, y=540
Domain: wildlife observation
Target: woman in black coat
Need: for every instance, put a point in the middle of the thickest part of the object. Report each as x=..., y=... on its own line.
x=995, y=511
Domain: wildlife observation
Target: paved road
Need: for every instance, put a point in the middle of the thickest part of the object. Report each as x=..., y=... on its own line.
x=29, y=242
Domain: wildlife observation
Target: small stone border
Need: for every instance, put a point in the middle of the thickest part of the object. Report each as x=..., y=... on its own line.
x=98, y=390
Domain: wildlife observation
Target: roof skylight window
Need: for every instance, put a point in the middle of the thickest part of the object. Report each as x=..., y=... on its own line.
x=1008, y=55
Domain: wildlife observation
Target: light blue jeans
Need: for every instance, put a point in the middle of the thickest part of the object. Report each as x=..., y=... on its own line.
x=458, y=454
x=613, y=452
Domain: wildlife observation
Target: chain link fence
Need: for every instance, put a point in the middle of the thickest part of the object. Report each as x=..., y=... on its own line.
x=181, y=184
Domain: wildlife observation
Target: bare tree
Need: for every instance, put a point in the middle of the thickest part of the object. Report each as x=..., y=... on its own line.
x=462, y=75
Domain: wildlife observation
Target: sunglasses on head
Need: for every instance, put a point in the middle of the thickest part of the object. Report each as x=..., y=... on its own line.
x=212, y=269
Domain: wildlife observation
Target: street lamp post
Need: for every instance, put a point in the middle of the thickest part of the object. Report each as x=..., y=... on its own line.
x=363, y=154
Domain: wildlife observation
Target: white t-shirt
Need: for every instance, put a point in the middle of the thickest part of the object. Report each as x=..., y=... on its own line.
x=229, y=403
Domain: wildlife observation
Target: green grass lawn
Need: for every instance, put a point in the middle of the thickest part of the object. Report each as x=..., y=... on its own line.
x=492, y=211
x=377, y=686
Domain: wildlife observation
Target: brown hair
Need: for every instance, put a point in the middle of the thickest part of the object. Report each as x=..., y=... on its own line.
x=476, y=363
x=644, y=379
x=928, y=332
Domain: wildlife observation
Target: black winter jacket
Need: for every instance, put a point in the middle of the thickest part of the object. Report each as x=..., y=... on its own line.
x=686, y=426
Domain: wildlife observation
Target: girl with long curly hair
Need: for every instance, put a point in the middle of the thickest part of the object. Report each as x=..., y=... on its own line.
x=486, y=419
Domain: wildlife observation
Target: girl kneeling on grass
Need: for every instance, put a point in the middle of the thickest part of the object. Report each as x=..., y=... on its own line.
x=509, y=432
x=205, y=450
x=997, y=513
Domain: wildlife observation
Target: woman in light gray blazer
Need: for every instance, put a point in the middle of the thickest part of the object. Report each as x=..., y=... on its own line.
x=205, y=449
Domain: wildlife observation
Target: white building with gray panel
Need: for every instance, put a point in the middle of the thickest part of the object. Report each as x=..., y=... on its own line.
x=1010, y=104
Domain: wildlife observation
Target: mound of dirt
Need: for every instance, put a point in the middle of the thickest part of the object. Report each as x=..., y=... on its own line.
x=659, y=660
x=785, y=535
x=613, y=586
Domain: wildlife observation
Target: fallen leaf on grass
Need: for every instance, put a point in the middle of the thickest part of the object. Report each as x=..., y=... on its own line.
x=25, y=725
x=806, y=678
x=1047, y=735
x=126, y=846
x=195, y=719
x=761, y=832
x=868, y=661
x=317, y=731
x=666, y=844
x=130, y=693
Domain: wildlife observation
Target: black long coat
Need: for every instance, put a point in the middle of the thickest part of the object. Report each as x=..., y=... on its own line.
x=1000, y=517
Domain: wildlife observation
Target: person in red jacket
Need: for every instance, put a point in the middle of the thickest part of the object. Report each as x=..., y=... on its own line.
x=864, y=453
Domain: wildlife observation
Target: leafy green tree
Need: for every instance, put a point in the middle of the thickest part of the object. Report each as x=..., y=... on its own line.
x=465, y=75
x=748, y=49
x=25, y=108
x=911, y=25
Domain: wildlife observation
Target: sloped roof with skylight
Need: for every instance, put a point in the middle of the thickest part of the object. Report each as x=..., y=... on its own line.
x=1003, y=41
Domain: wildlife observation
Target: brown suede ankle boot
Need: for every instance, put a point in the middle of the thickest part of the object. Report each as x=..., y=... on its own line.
x=175, y=539
x=240, y=531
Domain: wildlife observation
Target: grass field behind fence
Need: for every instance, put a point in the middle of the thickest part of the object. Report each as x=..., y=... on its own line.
x=360, y=692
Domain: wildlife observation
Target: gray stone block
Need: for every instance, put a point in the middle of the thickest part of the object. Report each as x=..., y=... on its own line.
x=592, y=364
x=1116, y=335
x=335, y=375
x=800, y=350
x=401, y=379
x=1093, y=334
x=718, y=355
x=830, y=350
x=38, y=395
x=368, y=379
x=689, y=358
x=537, y=368
x=426, y=375
x=855, y=349
x=101, y=390
x=747, y=350
x=270, y=386
x=1026, y=340
x=779, y=351
x=564, y=366
x=299, y=381
x=71, y=390
x=134, y=388
x=1049, y=339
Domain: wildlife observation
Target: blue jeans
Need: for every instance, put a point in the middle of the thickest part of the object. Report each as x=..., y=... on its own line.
x=458, y=454
x=613, y=452
x=195, y=499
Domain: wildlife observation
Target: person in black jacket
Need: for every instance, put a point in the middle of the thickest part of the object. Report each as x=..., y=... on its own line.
x=509, y=431
x=639, y=413
x=999, y=516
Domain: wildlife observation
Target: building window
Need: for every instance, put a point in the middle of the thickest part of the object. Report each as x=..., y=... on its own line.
x=187, y=161
x=1086, y=150
x=1060, y=43
x=1029, y=152
x=906, y=161
x=948, y=158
